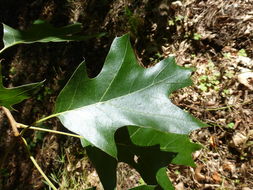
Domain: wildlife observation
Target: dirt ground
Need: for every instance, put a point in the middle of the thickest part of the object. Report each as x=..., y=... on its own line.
x=213, y=36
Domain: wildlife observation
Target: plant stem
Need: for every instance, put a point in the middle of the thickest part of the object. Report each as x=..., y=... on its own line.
x=2, y=50
x=14, y=126
x=227, y=107
x=220, y=108
x=37, y=166
x=46, y=118
x=12, y=121
x=48, y=130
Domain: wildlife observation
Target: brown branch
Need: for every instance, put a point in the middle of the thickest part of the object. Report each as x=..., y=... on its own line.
x=12, y=121
x=15, y=127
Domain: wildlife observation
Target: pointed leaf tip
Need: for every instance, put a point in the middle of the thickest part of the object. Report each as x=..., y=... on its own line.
x=41, y=31
x=15, y=95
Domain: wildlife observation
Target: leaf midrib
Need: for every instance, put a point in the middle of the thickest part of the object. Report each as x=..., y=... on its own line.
x=103, y=102
x=21, y=93
x=106, y=90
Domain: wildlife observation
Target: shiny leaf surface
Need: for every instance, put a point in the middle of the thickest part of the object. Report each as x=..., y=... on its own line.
x=124, y=94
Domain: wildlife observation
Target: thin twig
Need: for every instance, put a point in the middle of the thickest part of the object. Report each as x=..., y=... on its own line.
x=14, y=126
x=219, y=108
x=12, y=121
x=227, y=107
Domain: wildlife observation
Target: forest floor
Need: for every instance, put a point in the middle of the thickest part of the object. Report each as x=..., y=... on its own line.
x=214, y=36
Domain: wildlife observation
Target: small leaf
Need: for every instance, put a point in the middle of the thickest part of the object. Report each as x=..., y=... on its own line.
x=11, y=96
x=231, y=125
x=242, y=52
x=41, y=31
x=124, y=94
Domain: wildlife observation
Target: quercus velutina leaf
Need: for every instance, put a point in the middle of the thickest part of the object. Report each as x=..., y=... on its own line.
x=41, y=31
x=124, y=94
x=149, y=161
x=169, y=142
x=148, y=151
x=15, y=95
x=162, y=179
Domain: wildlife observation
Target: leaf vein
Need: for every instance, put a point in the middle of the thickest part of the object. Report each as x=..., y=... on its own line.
x=116, y=74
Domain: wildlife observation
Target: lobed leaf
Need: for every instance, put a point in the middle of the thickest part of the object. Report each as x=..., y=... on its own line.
x=41, y=31
x=147, y=155
x=169, y=142
x=148, y=161
x=124, y=94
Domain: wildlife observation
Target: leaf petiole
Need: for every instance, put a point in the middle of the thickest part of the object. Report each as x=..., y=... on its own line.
x=37, y=166
x=46, y=118
x=48, y=130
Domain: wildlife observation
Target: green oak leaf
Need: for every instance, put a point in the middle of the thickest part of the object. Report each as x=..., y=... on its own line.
x=15, y=95
x=148, y=161
x=162, y=179
x=169, y=142
x=124, y=94
x=139, y=141
x=41, y=31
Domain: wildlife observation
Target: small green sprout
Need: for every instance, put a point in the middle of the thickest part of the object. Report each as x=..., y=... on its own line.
x=197, y=36
x=216, y=88
x=13, y=71
x=227, y=55
x=203, y=78
x=229, y=74
x=231, y=125
x=203, y=87
x=171, y=22
x=179, y=18
x=193, y=55
x=226, y=92
x=177, y=172
x=242, y=52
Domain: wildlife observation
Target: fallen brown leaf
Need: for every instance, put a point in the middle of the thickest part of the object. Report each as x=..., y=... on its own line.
x=246, y=79
x=216, y=177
